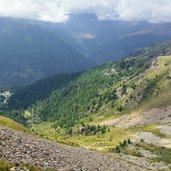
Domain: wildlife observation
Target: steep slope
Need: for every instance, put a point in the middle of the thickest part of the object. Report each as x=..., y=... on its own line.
x=32, y=50
x=46, y=154
x=29, y=52
x=14, y=100
x=24, y=96
x=7, y=122
x=103, y=88
x=108, y=90
x=121, y=107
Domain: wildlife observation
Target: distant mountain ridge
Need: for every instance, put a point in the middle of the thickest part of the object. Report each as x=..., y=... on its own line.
x=29, y=52
x=109, y=40
x=32, y=50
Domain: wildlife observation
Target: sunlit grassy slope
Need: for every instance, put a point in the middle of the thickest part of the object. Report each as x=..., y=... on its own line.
x=101, y=142
x=160, y=87
x=154, y=89
x=12, y=124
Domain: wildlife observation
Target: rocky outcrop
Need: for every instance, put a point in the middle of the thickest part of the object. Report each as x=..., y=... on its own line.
x=19, y=147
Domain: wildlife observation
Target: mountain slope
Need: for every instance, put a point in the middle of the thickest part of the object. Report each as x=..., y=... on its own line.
x=29, y=52
x=121, y=107
x=32, y=50
x=7, y=122
x=106, y=40
x=103, y=88
x=108, y=90
x=24, y=96
x=47, y=154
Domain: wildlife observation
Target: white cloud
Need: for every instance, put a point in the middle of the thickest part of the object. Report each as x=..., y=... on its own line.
x=58, y=10
x=153, y=10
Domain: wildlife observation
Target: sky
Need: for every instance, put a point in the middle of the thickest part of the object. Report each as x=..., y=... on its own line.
x=154, y=11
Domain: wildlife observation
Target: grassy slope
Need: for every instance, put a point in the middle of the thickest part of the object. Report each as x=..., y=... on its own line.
x=102, y=143
x=106, y=91
x=160, y=154
x=12, y=124
x=160, y=89
x=152, y=86
x=139, y=81
x=161, y=75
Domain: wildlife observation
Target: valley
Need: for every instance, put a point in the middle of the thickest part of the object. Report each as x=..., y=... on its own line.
x=118, y=112
x=85, y=86
x=31, y=50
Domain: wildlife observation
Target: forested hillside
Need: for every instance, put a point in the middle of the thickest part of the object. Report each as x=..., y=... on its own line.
x=112, y=86
x=25, y=96
x=110, y=89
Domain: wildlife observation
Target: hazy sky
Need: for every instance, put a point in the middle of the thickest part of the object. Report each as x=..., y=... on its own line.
x=58, y=10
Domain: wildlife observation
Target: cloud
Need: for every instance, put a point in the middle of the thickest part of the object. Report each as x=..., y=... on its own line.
x=59, y=10
x=152, y=11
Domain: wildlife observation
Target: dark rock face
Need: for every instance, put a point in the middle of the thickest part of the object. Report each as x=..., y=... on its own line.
x=19, y=147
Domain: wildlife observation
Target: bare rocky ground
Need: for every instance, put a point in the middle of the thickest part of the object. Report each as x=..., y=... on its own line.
x=149, y=117
x=142, y=161
x=158, y=116
x=150, y=138
x=19, y=147
x=161, y=118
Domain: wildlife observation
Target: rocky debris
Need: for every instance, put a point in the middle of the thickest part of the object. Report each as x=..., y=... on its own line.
x=142, y=162
x=149, y=117
x=150, y=138
x=18, y=147
x=165, y=129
